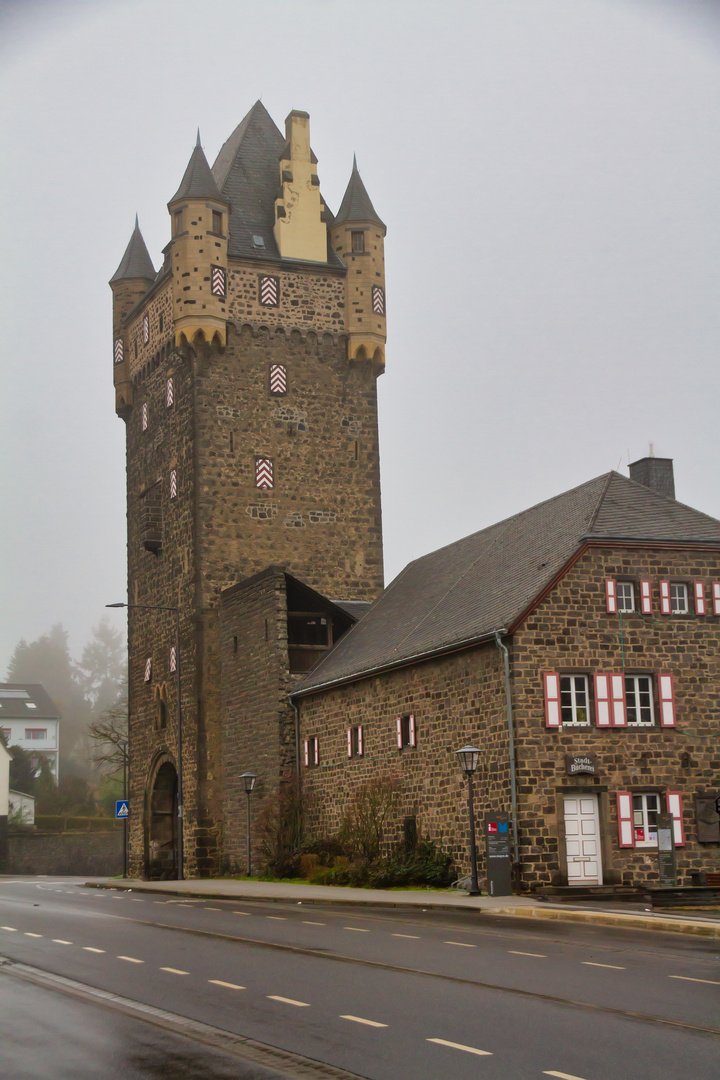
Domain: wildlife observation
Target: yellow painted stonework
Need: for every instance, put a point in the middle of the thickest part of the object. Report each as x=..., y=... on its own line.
x=300, y=233
x=195, y=249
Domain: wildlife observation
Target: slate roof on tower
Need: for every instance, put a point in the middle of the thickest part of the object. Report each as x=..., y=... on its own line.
x=356, y=204
x=247, y=172
x=198, y=181
x=136, y=262
x=487, y=581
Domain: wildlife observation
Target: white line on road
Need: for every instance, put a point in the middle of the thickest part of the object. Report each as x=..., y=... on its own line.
x=591, y=963
x=230, y=986
x=89, y=948
x=362, y=1020
x=415, y=937
x=307, y=922
x=12, y=929
x=564, y=1076
x=28, y=934
x=60, y=941
x=277, y=918
x=686, y=978
x=516, y=952
x=357, y=929
x=131, y=959
x=241, y=912
x=289, y=1001
x=175, y=971
x=463, y=943
x=460, y=1046
x=213, y=909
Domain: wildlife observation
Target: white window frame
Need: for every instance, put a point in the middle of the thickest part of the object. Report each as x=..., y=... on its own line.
x=625, y=606
x=573, y=690
x=679, y=600
x=632, y=700
x=641, y=817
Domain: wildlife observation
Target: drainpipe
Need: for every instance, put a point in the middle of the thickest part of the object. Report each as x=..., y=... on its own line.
x=511, y=744
x=296, y=710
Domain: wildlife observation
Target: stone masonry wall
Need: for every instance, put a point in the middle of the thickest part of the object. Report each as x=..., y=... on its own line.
x=312, y=299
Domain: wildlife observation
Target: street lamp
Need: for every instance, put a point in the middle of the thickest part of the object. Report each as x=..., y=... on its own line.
x=248, y=779
x=122, y=743
x=176, y=610
x=468, y=758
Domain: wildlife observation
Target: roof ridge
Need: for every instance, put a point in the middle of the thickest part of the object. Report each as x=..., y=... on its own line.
x=599, y=503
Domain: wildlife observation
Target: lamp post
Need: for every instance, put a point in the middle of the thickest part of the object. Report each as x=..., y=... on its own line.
x=248, y=779
x=468, y=757
x=122, y=743
x=176, y=610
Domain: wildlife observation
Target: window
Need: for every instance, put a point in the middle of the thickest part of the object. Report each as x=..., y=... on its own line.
x=144, y=420
x=264, y=477
x=7, y=732
x=269, y=291
x=312, y=752
x=574, y=699
x=177, y=222
x=678, y=598
x=146, y=329
x=645, y=811
x=355, y=741
x=278, y=379
x=169, y=393
x=358, y=242
x=639, y=700
x=309, y=636
x=148, y=669
x=217, y=281
x=378, y=300
x=217, y=222
x=30, y=705
x=406, y=732
x=35, y=733
x=625, y=596
x=173, y=484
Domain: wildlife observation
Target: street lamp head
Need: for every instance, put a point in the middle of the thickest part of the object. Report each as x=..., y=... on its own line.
x=248, y=779
x=116, y=605
x=468, y=758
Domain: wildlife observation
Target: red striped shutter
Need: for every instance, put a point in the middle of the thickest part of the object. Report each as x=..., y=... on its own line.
x=673, y=801
x=611, y=596
x=716, y=597
x=551, y=681
x=349, y=742
x=667, y=700
x=646, y=598
x=602, y=701
x=699, y=588
x=399, y=732
x=625, y=819
x=144, y=423
x=665, y=597
x=306, y=748
x=617, y=693
x=360, y=741
x=317, y=751
x=411, y=726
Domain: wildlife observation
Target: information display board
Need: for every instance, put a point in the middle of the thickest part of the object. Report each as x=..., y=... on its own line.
x=497, y=848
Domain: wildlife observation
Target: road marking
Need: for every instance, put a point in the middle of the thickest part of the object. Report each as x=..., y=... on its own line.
x=131, y=960
x=591, y=963
x=516, y=952
x=230, y=986
x=357, y=929
x=686, y=978
x=89, y=948
x=137, y=900
x=460, y=1046
x=213, y=909
x=175, y=971
x=306, y=922
x=28, y=934
x=361, y=1020
x=277, y=918
x=241, y=912
x=289, y=1001
x=12, y=929
x=564, y=1076
x=59, y=941
x=415, y=937
x=464, y=944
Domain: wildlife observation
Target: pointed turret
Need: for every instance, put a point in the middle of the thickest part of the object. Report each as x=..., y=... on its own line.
x=136, y=264
x=358, y=236
x=199, y=212
x=130, y=282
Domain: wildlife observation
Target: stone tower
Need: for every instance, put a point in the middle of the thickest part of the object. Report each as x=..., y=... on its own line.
x=245, y=371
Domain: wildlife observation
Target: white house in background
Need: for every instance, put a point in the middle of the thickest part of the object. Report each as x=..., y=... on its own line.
x=21, y=808
x=31, y=720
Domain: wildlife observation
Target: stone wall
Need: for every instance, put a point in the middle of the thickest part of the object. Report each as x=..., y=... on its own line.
x=95, y=854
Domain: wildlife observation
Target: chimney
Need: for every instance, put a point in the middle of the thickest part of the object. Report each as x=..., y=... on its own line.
x=655, y=473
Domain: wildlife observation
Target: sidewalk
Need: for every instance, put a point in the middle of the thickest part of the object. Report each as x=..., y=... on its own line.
x=424, y=899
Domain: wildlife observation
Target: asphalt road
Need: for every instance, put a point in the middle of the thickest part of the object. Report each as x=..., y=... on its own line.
x=384, y=994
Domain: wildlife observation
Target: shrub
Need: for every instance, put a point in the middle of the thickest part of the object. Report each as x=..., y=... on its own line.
x=278, y=829
x=363, y=825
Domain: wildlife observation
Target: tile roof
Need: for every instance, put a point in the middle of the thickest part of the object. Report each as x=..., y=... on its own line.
x=136, y=262
x=356, y=204
x=15, y=707
x=484, y=582
x=198, y=181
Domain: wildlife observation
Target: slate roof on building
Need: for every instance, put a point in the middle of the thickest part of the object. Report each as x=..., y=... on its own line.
x=198, y=181
x=13, y=706
x=136, y=262
x=356, y=204
x=247, y=172
x=486, y=581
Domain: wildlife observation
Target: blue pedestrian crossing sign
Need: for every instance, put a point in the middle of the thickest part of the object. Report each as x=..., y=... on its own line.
x=122, y=808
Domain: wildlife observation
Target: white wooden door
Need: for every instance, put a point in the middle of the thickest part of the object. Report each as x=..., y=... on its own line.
x=582, y=840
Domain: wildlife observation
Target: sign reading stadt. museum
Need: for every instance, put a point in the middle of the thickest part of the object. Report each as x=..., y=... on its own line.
x=580, y=763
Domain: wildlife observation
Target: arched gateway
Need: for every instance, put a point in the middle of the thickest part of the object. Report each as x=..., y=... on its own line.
x=161, y=840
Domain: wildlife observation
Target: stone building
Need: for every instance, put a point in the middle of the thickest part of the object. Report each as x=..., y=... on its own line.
x=606, y=603
x=245, y=371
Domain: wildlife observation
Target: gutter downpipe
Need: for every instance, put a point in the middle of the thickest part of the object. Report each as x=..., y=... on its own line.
x=296, y=710
x=511, y=749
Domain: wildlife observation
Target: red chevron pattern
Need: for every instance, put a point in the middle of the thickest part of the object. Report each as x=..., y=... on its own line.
x=144, y=416
x=169, y=394
x=263, y=472
x=217, y=281
x=118, y=353
x=173, y=484
x=269, y=291
x=378, y=300
x=148, y=669
x=278, y=379
x=173, y=659
x=146, y=328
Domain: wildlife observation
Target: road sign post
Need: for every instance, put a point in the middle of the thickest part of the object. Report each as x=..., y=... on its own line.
x=122, y=813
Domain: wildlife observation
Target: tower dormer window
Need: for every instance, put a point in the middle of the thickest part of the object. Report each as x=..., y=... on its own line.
x=217, y=222
x=177, y=222
x=358, y=242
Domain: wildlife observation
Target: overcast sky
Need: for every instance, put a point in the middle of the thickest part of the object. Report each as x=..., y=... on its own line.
x=548, y=171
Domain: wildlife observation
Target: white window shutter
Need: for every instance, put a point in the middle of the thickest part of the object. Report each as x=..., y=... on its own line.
x=611, y=596
x=646, y=598
x=665, y=597
x=349, y=740
x=360, y=741
x=602, y=701
x=306, y=748
x=399, y=732
x=699, y=589
x=617, y=692
x=411, y=725
x=716, y=597
x=625, y=819
x=317, y=751
x=667, y=700
x=673, y=800
x=551, y=681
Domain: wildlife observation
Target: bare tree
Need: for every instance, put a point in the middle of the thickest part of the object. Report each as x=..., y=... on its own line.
x=109, y=735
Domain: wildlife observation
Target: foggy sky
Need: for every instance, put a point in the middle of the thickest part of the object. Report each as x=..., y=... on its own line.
x=548, y=171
